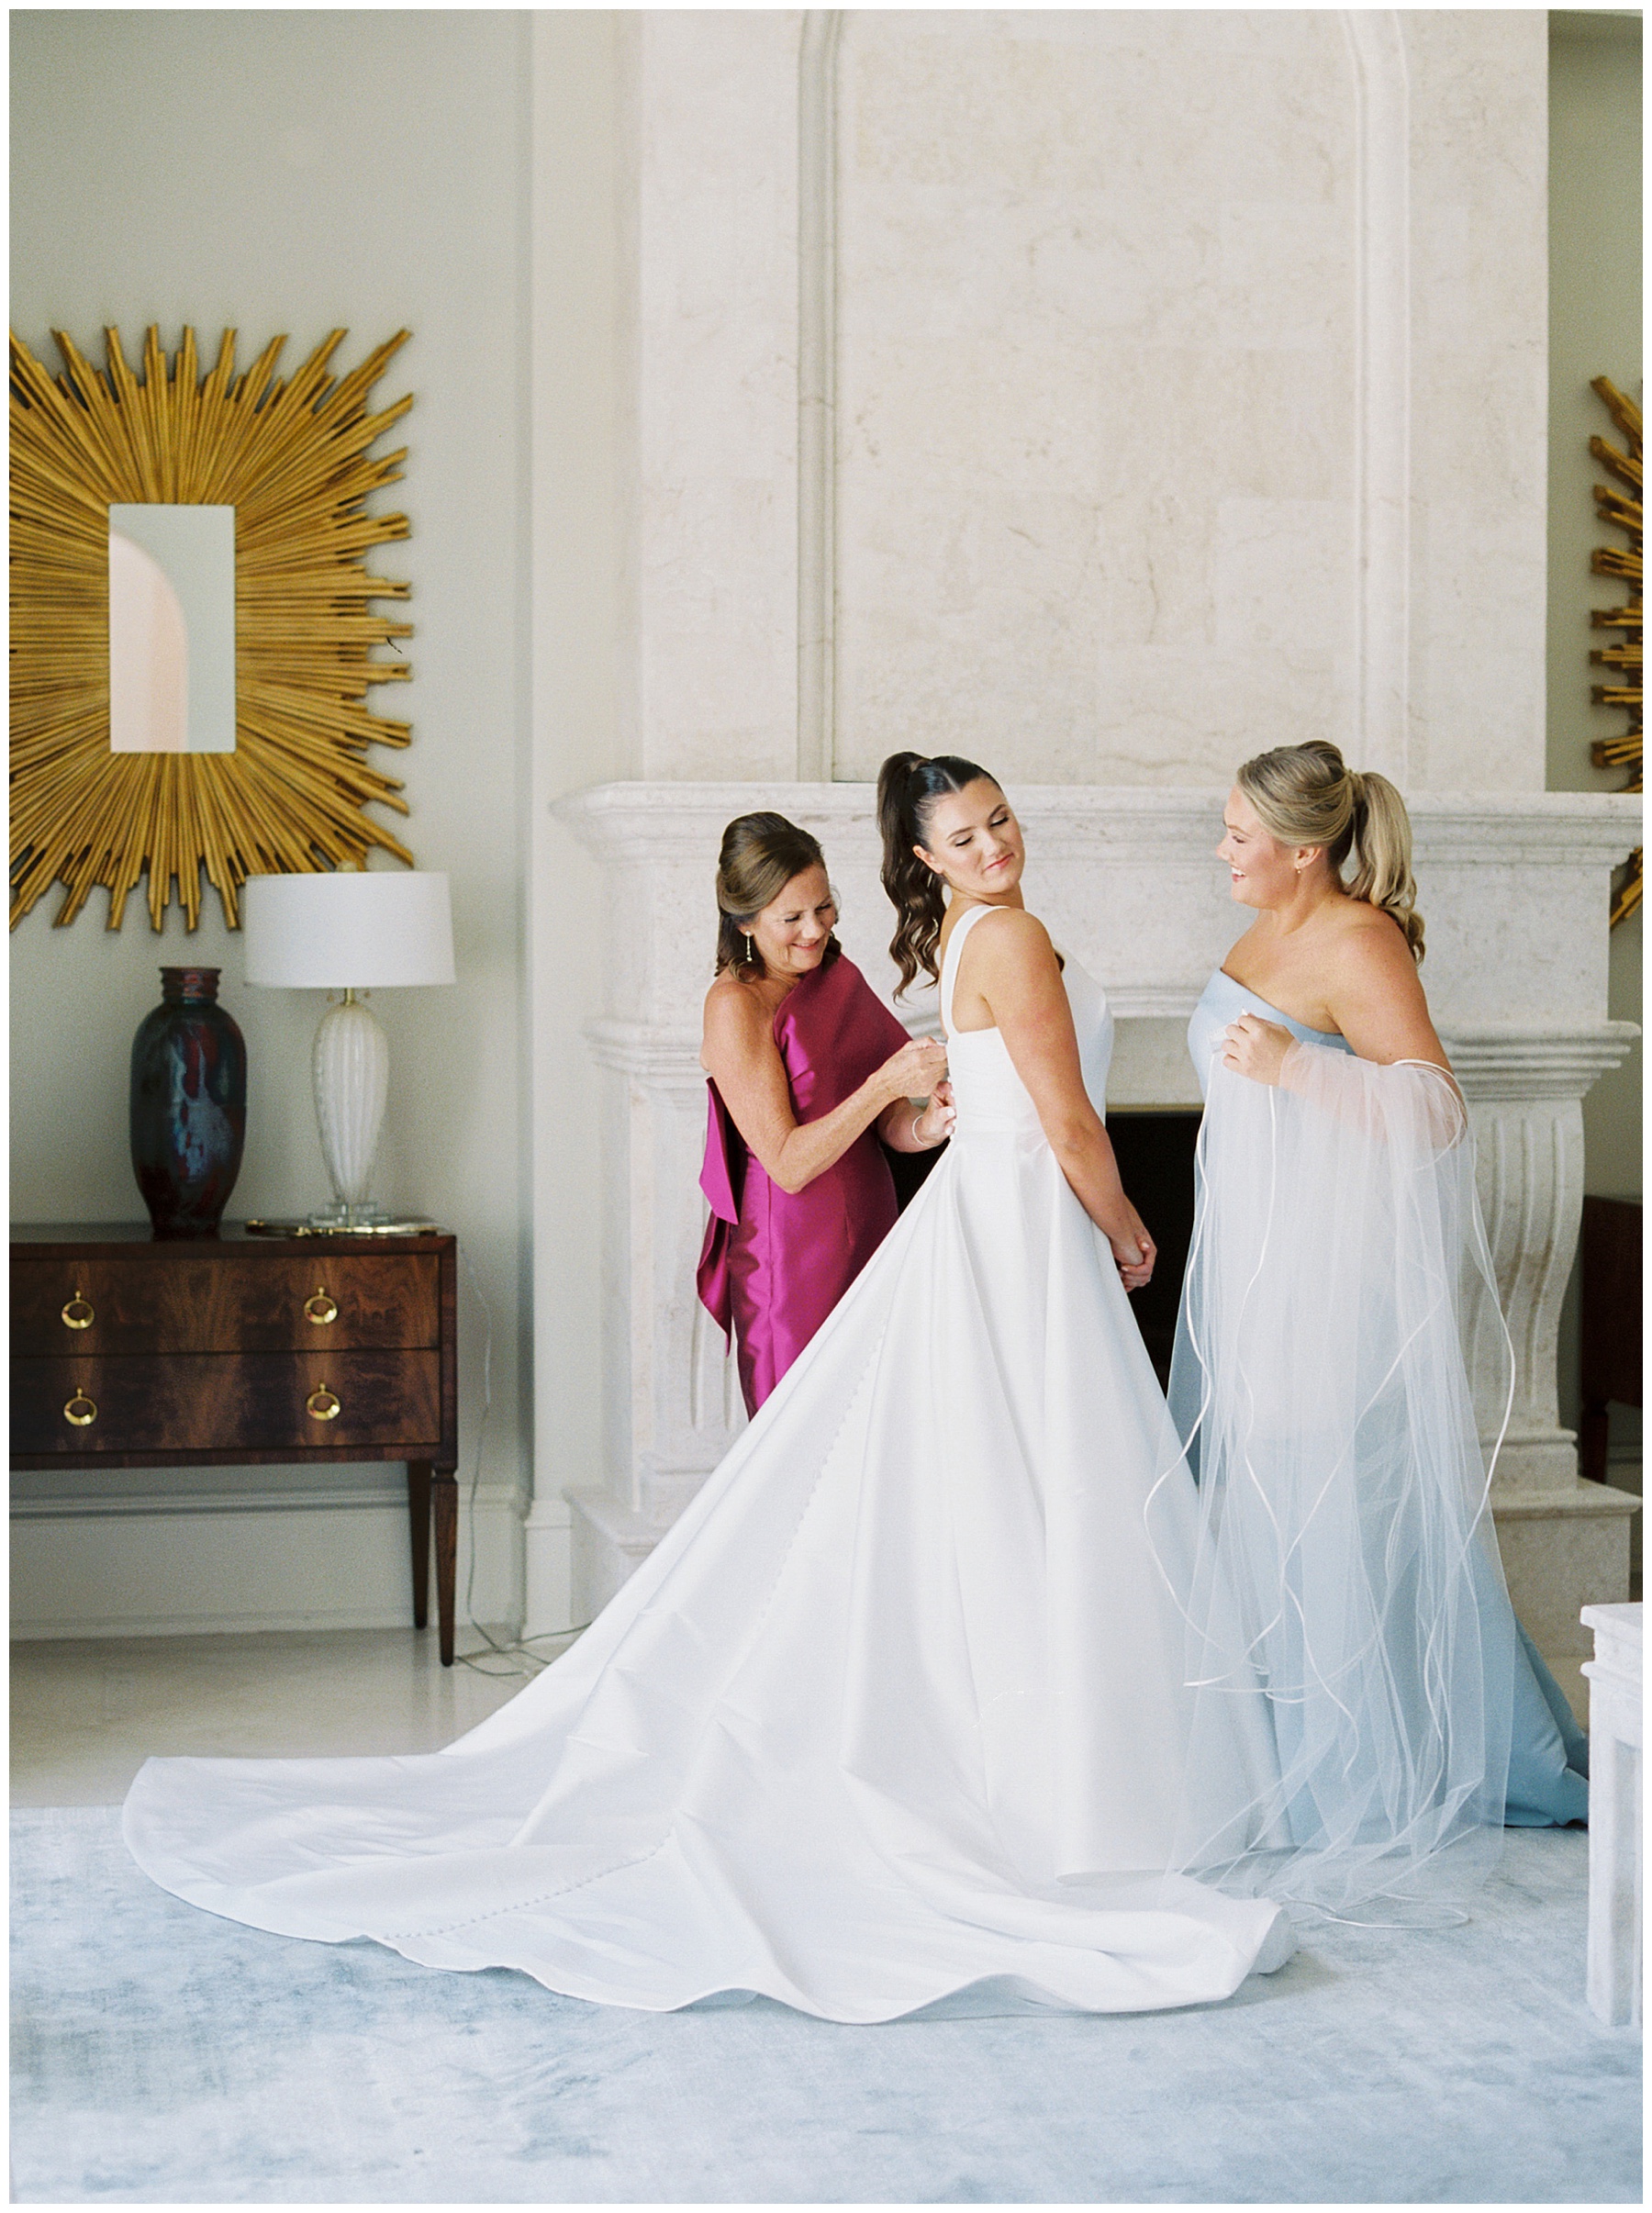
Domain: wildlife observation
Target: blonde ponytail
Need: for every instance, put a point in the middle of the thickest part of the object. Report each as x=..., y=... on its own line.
x=1380, y=849
x=1307, y=794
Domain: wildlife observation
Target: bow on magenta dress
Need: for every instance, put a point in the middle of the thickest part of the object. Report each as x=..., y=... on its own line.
x=776, y=1263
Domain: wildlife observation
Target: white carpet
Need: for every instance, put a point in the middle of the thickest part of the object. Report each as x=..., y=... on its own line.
x=161, y=2054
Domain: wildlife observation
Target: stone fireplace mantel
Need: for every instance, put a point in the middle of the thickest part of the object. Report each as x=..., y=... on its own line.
x=1513, y=891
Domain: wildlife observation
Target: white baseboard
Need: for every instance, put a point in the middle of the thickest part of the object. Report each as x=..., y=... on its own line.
x=245, y=1561
x=548, y=1579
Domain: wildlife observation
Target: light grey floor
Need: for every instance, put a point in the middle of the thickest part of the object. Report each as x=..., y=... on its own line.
x=161, y=2054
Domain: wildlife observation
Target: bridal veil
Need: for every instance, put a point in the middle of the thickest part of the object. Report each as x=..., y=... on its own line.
x=1346, y=1589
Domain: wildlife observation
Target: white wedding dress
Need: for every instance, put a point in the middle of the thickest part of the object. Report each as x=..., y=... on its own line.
x=894, y=1712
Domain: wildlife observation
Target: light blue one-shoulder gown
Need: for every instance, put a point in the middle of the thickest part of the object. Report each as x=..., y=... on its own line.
x=1548, y=1763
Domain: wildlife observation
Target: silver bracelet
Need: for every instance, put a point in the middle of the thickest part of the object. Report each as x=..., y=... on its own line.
x=918, y=1141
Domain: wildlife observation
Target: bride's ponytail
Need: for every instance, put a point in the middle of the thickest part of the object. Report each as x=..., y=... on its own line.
x=907, y=787
x=1307, y=794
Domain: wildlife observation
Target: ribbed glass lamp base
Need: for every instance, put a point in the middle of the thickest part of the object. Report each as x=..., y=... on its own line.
x=350, y=1068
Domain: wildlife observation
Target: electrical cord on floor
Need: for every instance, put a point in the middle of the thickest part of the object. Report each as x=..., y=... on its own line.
x=517, y=1652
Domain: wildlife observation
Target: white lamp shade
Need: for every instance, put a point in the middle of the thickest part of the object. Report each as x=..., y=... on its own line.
x=348, y=930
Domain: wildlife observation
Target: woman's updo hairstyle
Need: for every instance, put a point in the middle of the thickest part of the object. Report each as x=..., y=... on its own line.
x=908, y=788
x=760, y=855
x=1307, y=794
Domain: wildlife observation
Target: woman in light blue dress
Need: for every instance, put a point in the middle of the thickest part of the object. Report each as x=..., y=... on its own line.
x=1348, y=1586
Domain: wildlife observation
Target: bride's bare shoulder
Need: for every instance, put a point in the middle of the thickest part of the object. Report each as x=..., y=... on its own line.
x=1015, y=939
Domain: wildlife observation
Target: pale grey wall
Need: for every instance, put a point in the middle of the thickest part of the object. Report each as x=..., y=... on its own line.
x=290, y=172
x=1594, y=328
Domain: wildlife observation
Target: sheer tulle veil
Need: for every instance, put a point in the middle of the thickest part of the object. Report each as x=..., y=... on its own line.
x=1346, y=1545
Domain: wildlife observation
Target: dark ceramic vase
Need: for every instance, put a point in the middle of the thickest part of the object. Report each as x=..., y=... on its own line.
x=189, y=1105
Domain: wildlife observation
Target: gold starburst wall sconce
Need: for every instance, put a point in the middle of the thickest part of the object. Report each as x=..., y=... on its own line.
x=1623, y=689
x=145, y=508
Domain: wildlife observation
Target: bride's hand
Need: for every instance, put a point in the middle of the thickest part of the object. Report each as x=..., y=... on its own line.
x=1255, y=1048
x=1136, y=1252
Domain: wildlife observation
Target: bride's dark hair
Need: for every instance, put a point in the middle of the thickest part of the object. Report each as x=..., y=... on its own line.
x=908, y=788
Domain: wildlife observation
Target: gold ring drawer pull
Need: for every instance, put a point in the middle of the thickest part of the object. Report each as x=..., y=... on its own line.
x=81, y=1410
x=321, y=1307
x=79, y=1313
x=323, y=1404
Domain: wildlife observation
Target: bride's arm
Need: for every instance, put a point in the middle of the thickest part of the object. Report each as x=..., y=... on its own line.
x=739, y=1055
x=1012, y=966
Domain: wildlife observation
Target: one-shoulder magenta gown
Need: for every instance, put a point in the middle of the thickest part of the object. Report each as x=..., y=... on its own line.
x=776, y=1263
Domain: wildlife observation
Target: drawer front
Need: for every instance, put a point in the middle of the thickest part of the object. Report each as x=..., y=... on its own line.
x=228, y=1402
x=168, y=1300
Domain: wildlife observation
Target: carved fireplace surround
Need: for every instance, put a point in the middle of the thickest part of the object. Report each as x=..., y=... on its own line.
x=1105, y=396
x=1514, y=894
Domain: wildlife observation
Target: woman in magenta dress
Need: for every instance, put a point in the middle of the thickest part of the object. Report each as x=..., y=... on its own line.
x=809, y=1077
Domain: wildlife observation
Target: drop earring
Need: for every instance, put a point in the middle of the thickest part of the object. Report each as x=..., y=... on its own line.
x=751, y=957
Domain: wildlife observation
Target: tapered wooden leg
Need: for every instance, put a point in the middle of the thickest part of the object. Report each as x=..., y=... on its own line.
x=444, y=1497
x=419, y=1518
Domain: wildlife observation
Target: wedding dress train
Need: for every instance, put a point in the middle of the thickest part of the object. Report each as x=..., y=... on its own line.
x=894, y=1712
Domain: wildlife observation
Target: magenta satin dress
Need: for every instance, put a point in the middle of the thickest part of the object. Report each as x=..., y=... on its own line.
x=776, y=1263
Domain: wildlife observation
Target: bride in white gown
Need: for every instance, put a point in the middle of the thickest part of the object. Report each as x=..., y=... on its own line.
x=895, y=1711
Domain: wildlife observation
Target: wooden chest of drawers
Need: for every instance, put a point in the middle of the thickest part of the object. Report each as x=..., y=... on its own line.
x=131, y=1351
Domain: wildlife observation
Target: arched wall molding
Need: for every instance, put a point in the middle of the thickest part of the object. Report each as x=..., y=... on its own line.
x=1382, y=395
x=1382, y=398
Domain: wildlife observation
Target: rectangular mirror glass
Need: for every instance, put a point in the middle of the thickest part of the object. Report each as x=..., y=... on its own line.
x=171, y=628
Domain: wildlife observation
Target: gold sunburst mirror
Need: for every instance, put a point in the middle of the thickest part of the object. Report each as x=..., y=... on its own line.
x=202, y=540
x=1625, y=511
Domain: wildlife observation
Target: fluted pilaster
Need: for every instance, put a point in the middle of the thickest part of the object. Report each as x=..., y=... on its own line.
x=1525, y=1089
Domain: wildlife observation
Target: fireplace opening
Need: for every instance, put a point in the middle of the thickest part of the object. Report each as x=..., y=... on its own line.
x=910, y=1172
x=1155, y=1152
